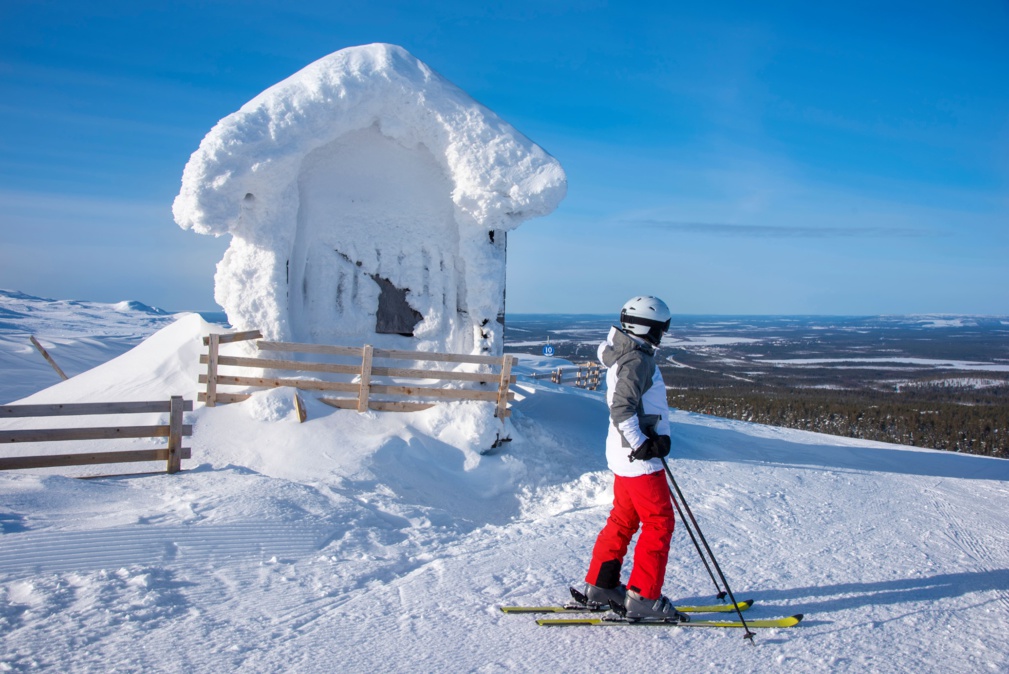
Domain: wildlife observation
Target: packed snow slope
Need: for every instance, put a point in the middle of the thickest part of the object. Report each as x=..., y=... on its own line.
x=371, y=542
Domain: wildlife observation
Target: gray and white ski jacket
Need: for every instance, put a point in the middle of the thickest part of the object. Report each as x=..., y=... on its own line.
x=636, y=396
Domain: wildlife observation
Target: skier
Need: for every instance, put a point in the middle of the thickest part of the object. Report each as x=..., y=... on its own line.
x=638, y=436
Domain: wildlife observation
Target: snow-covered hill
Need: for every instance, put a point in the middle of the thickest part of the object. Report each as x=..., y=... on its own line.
x=77, y=334
x=379, y=542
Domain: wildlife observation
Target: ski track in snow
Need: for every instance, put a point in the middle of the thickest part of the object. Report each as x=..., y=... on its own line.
x=380, y=593
x=49, y=552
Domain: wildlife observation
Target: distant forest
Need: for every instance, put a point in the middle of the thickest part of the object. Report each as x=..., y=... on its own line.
x=959, y=419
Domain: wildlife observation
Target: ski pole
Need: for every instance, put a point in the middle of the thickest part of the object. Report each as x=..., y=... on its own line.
x=720, y=592
x=748, y=635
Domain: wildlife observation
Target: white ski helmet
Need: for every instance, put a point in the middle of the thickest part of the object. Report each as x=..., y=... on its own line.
x=645, y=316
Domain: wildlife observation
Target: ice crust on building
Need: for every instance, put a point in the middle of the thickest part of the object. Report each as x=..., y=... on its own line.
x=368, y=200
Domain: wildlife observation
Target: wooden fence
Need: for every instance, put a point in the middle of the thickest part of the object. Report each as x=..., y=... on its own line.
x=370, y=387
x=174, y=430
x=584, y=376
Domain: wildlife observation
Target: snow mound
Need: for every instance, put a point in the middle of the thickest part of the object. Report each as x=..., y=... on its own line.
x=163, y=365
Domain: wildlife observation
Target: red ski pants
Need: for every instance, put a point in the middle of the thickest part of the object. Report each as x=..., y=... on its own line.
x=637, y=501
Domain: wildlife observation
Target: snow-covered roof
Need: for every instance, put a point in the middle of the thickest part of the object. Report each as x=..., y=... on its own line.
x=500, y=177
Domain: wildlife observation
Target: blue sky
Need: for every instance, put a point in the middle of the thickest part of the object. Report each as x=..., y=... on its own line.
x=731, y=157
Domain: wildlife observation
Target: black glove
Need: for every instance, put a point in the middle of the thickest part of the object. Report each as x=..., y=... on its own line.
x=664, y=445
x=652, y=448
x=646, y=451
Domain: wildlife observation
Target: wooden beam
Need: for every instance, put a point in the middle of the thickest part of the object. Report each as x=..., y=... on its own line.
x=309, y=348
x=174, y=460
x=226, y=397
x=439, y=357
x=431, y=392
x=377, y=405
x=365, y=391
x=229, y=337
x=503, y=392
x=341, y=403
x=264, y=382
x=275, y=364
x=435, y=375
x=88, y=459
x=213, y=349
x=102, y=433
x=83, y=409
x=49, y=359
x=378, y=353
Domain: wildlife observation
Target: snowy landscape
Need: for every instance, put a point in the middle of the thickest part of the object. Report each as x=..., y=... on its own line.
x=373, y=542
x=369, y=201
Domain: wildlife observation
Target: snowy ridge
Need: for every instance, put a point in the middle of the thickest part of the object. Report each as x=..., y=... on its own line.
x=381, y=542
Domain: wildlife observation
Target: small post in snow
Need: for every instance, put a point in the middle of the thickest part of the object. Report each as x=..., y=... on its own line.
x=213, y=342
x=176, y=407
x=49, y=359
x=365, y=392
x=503, y=386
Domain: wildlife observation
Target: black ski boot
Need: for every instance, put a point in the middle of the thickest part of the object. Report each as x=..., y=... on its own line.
x=595, y=597
x=639, y=608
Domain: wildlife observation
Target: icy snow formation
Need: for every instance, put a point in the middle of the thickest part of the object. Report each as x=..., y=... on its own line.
x=368, y=200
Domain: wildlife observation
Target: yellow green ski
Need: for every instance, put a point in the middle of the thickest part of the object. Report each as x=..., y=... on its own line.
x=613, y=621
x=580, y=608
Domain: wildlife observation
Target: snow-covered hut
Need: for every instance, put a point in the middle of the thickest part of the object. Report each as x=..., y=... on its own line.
x=369, y=201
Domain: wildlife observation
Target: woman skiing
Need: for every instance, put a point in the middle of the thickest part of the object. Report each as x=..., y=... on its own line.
x=638, y=437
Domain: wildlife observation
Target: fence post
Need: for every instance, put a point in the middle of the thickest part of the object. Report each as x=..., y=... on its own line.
x=49, y=359
x=213, y=346
x=502, y=393
x=175, y=409
x=362, y=399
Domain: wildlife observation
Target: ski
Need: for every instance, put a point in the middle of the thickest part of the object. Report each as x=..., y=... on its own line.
x=582, y=608
x=614, y=621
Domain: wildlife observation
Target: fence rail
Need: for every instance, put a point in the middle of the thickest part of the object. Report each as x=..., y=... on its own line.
x=174, y=430
x=360, y=375
x=585, y=376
